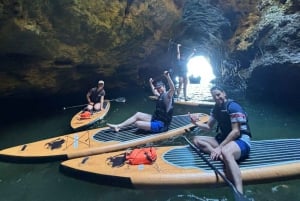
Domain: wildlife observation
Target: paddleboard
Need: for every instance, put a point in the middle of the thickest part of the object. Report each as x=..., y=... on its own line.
x=94, y=141
x=181, y=166
x=78, y=123
x=188, y=102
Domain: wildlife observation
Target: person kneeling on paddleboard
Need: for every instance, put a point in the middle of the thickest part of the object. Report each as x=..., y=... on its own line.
x=95, y=97
x=162, y=116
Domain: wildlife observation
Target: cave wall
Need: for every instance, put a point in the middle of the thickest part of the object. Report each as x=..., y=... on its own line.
x=268, y=53
x=62, y=46
x=276, y=84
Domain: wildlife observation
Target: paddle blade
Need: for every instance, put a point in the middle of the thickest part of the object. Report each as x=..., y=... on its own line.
x=120, y=100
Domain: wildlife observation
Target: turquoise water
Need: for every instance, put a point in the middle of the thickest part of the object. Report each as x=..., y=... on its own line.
x=44, y=182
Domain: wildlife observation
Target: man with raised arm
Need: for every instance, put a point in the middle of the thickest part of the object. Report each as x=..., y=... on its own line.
x=160, y=120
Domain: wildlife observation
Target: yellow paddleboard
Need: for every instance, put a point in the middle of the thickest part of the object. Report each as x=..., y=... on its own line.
x=181, y=166
x=77, y=122
x=94, y=141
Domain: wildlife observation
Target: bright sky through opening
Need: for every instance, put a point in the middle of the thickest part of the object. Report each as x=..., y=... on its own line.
x=199, y=66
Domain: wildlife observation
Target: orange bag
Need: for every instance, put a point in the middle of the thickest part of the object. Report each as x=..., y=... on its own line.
x=141, y=156
x=85, y=115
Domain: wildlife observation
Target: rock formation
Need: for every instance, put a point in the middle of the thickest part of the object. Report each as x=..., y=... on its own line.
x=62, y=46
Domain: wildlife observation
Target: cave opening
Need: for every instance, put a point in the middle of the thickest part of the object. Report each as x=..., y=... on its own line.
x=200, y=68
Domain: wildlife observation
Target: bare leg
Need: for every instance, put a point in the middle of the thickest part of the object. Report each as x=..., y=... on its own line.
x=230, y=153
x=139, y=119
x=97, y=107
x=145, y=125
x=115, y=127
x=179, y=87
x=184, y=87
x=89, y=107
x=205, y=143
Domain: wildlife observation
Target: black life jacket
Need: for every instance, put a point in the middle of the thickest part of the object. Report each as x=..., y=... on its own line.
x=161, y=113
x=221, y=114
x=96, y=95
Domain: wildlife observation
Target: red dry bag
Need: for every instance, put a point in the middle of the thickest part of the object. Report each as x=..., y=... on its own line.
x=141, y=156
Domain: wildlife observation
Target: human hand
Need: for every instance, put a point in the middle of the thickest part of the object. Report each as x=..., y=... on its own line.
x=178, y=45
x=194, y=118
x=216, y=153
x=151, y=80
x=166, y=73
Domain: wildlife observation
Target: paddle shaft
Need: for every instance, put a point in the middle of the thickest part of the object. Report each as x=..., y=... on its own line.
x=74, y=106
x=120, y=99
x=238, y=196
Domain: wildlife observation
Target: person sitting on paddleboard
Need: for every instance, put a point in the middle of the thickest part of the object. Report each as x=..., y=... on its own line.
x=95, y=97
x=234, y=140
x=162, y=116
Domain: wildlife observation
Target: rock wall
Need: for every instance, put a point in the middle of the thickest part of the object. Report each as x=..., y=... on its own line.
x=62, y=46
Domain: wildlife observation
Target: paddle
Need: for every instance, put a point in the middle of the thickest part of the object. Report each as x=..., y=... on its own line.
x=120, y=100
x=74, y=106
x=237, y=195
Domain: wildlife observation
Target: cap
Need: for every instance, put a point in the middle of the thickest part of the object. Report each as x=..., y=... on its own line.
x=101, y=82
x=159, y=84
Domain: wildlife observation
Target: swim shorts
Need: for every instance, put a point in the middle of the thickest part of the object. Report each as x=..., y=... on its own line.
x=245, y=149
x=157, y=126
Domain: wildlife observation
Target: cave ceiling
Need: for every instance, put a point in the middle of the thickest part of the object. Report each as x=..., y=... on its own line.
x=60, y=46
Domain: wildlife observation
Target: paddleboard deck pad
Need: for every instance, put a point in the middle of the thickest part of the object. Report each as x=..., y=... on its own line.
x=78, y=123
x=188, y=102
x=94, y=141
x=181, y=166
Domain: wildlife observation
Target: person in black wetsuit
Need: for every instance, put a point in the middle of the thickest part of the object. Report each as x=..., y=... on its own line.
x=162, y=116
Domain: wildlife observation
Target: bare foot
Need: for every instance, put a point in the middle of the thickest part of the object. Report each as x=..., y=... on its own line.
x=114, y=127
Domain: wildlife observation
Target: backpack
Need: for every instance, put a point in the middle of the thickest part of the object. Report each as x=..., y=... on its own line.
x=135, y=157
x=141, y=156
x=85, y=115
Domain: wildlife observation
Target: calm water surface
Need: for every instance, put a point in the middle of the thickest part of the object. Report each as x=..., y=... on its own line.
x=44, y=182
